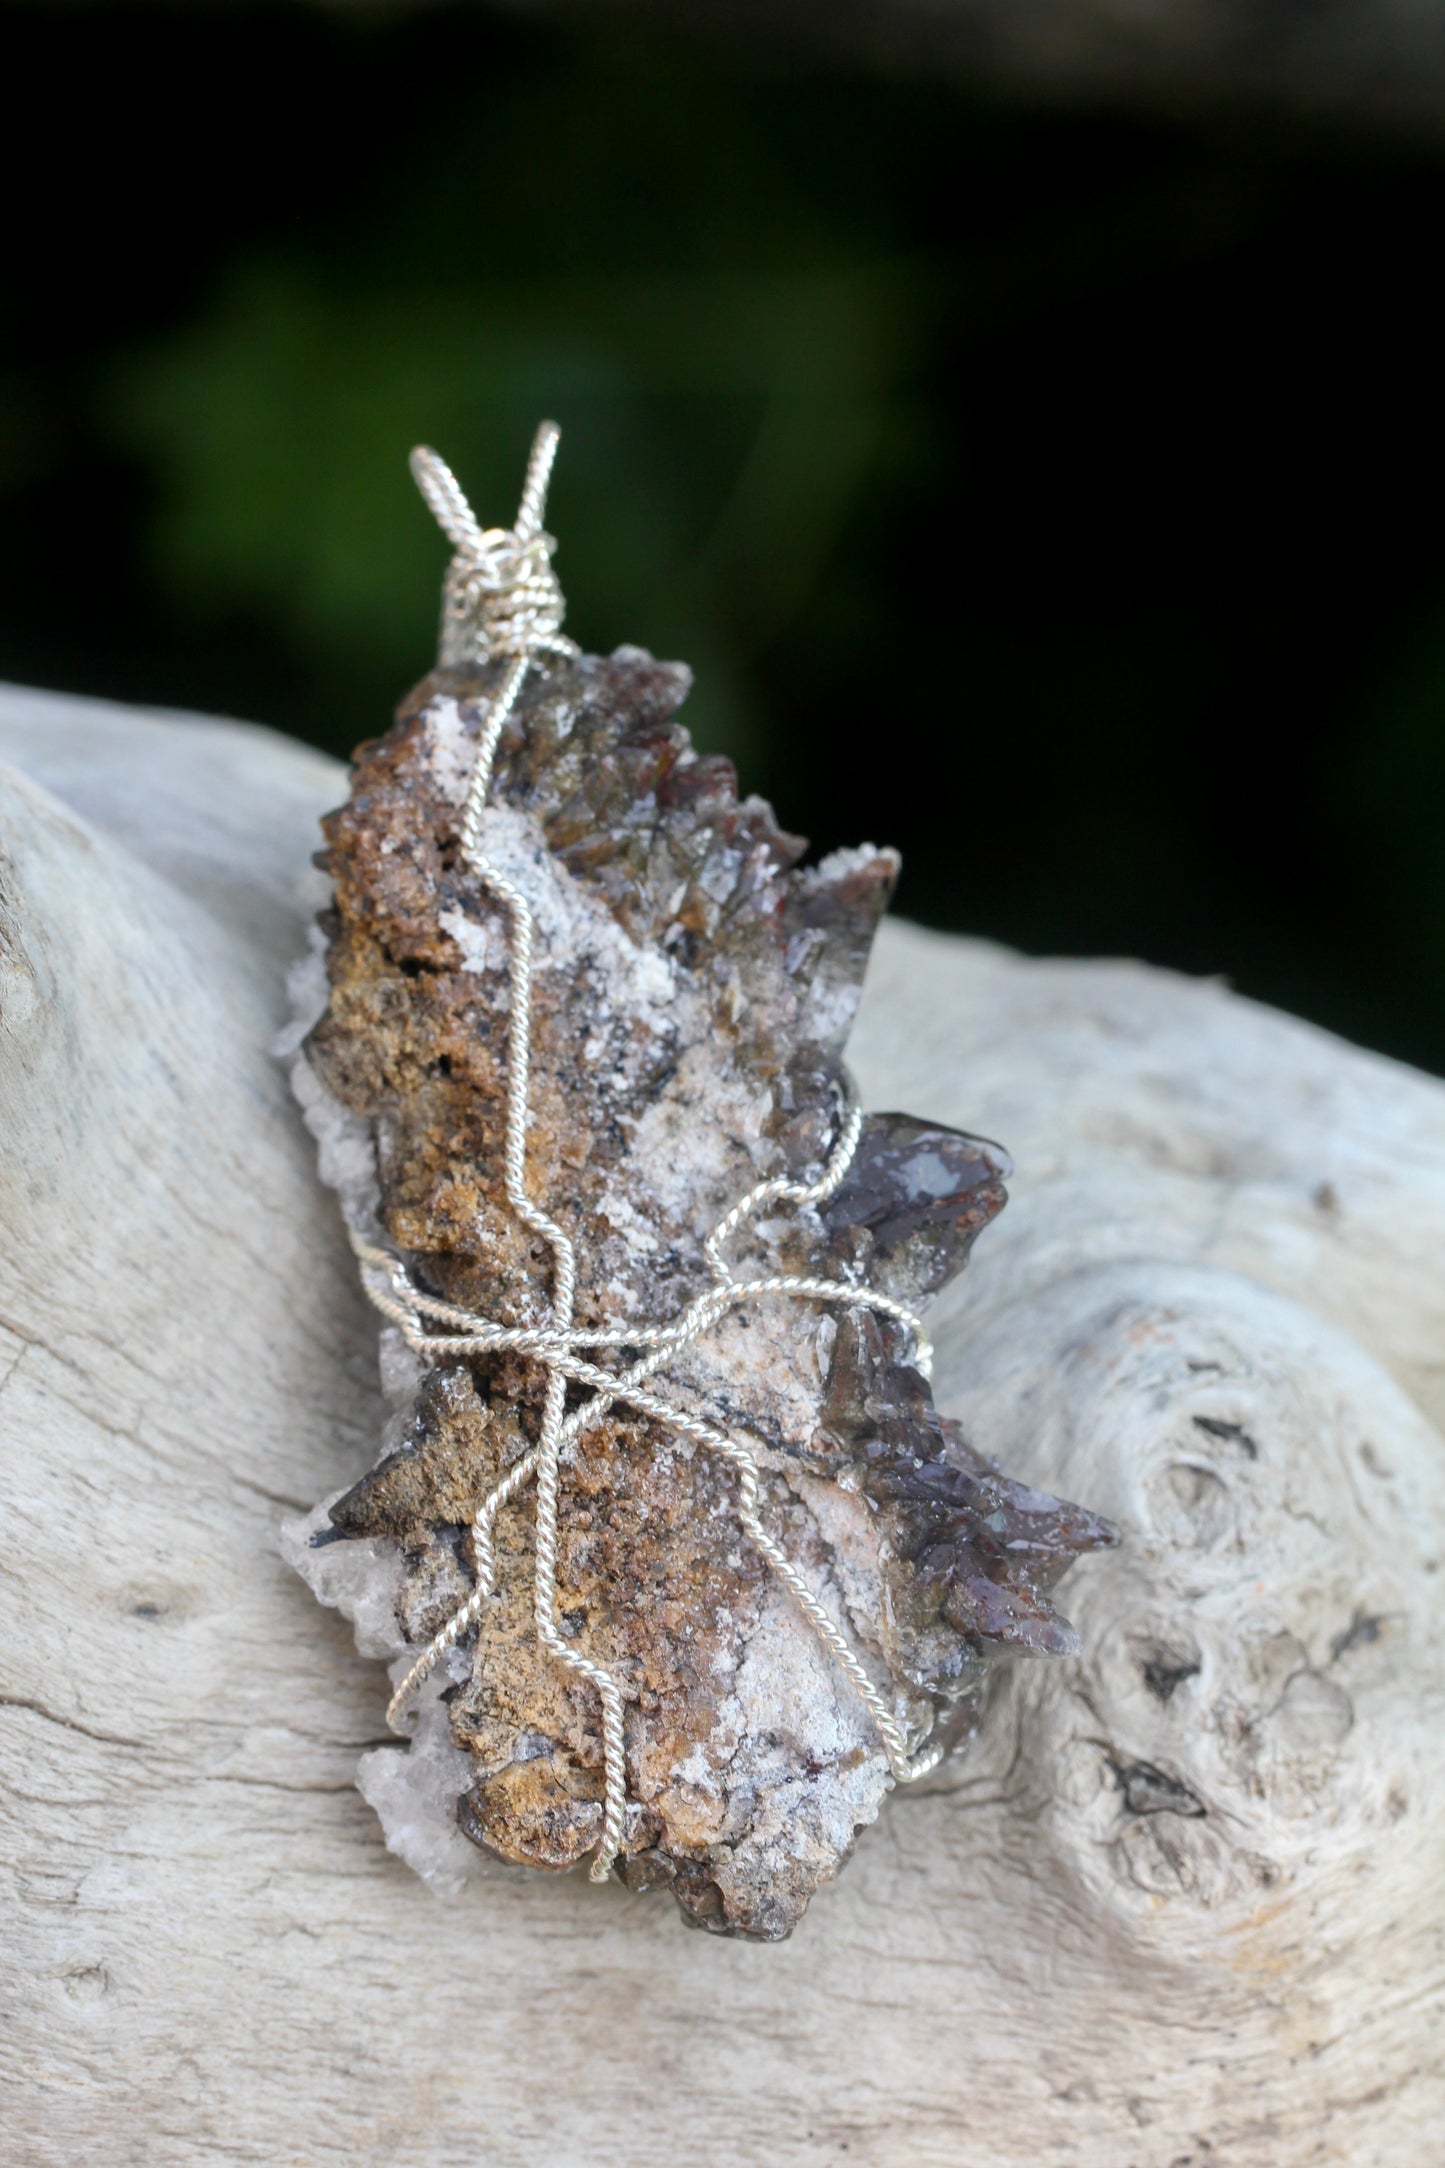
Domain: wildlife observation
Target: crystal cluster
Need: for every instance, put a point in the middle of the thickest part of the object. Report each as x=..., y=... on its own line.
x=695, y=986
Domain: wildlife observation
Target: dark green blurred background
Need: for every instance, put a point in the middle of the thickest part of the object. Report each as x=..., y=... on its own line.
x=1056, y=495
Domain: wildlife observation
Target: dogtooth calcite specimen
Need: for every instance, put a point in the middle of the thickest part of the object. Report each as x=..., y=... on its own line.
x=577, y=1070
x=694, y=989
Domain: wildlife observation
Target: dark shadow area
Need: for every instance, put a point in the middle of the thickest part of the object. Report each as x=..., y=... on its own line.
x=1054, y=496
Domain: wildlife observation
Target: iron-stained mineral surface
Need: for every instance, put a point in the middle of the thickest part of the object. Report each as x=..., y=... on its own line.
x=695, y=984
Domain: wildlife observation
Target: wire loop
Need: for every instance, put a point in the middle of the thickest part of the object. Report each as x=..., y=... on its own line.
x=500, y=595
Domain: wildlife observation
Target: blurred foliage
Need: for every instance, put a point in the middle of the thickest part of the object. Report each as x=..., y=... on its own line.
x=613, y=243
x=717, y=427
x=1044, y=494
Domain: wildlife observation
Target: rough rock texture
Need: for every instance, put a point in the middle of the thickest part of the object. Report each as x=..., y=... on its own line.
x=694, y=990
x=1038, y=1960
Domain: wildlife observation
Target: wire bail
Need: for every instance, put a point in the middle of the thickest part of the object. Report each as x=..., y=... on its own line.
x=501, y=596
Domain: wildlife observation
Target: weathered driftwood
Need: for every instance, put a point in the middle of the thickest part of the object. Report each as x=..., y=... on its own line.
x=1181, y=1905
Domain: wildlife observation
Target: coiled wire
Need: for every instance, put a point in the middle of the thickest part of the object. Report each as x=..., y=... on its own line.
x=500, y=595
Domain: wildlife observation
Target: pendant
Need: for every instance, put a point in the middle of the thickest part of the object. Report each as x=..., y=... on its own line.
x=679, y=1564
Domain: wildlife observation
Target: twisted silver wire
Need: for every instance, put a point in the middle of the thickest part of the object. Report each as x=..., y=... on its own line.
x=502, y=599
x=500, y=595
x=625, y=1386
x=478, y=1335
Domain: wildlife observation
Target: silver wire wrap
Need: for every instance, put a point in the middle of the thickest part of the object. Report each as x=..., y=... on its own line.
x=484, y=618
x=500, y=595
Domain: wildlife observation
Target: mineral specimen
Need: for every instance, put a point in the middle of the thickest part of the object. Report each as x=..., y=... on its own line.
x=694, y=988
